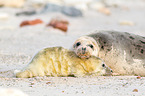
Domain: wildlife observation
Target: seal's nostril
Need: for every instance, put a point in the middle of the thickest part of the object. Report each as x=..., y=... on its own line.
x=84, y=49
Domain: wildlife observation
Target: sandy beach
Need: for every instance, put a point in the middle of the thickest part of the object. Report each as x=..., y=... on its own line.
x=19, y=44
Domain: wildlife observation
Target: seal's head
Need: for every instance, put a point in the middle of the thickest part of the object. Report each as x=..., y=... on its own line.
x=85, y=46
x=97, y=67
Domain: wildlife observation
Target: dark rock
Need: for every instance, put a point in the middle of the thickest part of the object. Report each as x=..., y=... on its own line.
x=32, y=12
x=71, y=11
x=51, y=8
x=67, y=10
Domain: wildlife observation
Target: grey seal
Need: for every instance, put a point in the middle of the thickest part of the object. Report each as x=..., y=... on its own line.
x=123, y=52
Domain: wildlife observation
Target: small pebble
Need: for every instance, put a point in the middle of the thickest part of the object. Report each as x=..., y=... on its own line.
x=32, y=83
x=138, y=77
x=104, y=10
x=129, y=23
x=48, y=82
x=135, y=90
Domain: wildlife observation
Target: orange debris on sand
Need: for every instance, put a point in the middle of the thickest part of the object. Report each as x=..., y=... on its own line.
x=31, y=22
x=59, y=24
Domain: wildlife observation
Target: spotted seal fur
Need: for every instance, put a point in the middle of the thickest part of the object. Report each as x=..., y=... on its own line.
x=123, y=52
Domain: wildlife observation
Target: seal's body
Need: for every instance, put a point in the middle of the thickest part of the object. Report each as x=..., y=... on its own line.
x=123, y=52
x=57, y=61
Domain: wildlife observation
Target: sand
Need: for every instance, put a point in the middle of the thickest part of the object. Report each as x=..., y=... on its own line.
x=18, y=45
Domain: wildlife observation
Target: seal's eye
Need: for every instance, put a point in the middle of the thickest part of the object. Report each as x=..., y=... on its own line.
x=103, y=65
x=111, y=71
x=78, y=44
x=91, y=46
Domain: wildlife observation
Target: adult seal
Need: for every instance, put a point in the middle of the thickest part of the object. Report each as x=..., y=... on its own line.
x=123, y=52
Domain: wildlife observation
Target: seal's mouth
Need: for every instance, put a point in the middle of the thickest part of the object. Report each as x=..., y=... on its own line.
x=83, y=53
x=84, y=56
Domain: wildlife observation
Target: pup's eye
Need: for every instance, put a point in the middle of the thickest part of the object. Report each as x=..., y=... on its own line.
x=91, y=46
x=78, y=44
x=103, y=65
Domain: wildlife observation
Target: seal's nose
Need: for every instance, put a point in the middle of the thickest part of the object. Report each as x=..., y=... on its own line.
x=83, y=50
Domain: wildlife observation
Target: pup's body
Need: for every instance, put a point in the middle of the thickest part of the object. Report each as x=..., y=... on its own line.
x=123, y=52
x=57, y=61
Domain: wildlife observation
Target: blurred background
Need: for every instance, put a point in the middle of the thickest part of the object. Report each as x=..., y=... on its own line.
x=27, y=26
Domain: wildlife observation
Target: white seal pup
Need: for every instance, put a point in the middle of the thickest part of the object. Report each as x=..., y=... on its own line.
x=57, y=61
x=123, y=52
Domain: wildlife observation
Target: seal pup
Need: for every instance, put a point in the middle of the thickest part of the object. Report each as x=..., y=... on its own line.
x=58, y=61
x=123, y=52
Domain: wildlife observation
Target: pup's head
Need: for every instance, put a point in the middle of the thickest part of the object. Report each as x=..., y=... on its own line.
x=100, y=67
x=96, y=67
x=85, y=46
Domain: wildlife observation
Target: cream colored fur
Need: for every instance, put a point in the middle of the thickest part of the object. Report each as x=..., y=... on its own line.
x=85, y=41
x=57, y=61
